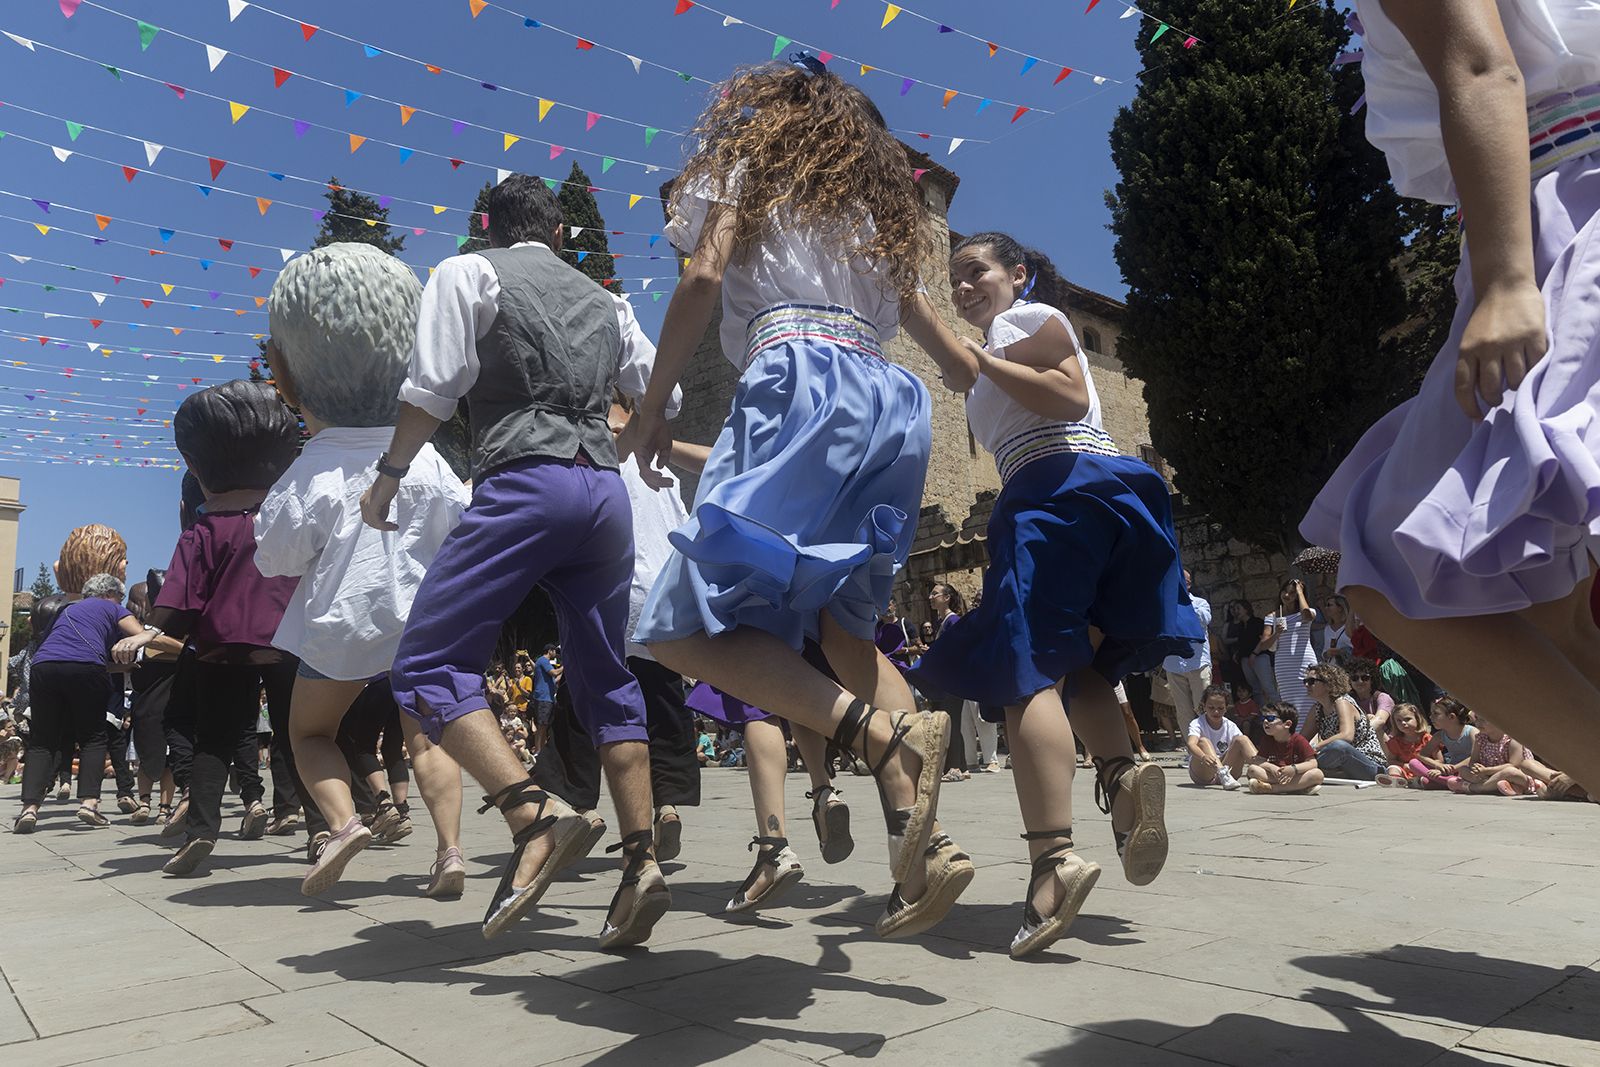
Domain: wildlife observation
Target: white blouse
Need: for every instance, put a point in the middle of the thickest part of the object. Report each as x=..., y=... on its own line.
x=994, y=416
x=356, y=583
x=656, y=513
x=1557, y=47
x=793, y=264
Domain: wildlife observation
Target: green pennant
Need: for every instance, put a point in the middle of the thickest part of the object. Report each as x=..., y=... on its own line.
x=779, y=44
x=606, y=164
x=657, y=296
x=459, y=242
x=147, y=33
x=650, y=135
x=114, y=72
x=49, y=288
x=73, y=128
x=1157, y=35
x=685, y=76
x=550, y=183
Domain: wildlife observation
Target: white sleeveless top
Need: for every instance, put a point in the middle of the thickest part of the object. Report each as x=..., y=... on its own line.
x=792, y=265
x=994, y=416
x=1557, y=47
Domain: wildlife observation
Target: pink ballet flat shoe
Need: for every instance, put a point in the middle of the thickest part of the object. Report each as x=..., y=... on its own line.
x=336, y=854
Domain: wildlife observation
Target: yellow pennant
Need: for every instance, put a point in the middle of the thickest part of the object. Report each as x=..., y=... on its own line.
x=370, y=222
x=633, y=198
x=167, y=289
x=865, y=68
x=544, y=108
x=439, y=209
x=238, y=110
x=216, y=359
x=511, y=139
x=42, y=228
x=890, y=13
x=477, y=6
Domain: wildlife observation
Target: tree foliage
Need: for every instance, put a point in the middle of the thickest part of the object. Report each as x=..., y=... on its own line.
x=586, y=235
x=1260, y=240
x=43, y=584
x=359, y=218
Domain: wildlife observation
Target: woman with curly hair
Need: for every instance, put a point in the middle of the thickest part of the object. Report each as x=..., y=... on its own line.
x=803, y=216
x=1346, y=745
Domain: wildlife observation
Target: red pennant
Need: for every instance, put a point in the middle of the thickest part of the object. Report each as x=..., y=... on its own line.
x=683, y=5
x=279, y=76
x=116, y=279
x=1021, y=111
x=1062, y=76
x=195, y=380
x=141, y=410
x=306, y=30
x=157, y=252
x=1091, y=6
x=129, y=172
x=180, y=90
x=44, y=340
x=227, y=246
x=96, y=323
x=216, y=167
x=454, y=163
x=584, y=46
x=254, y=271
x=147, y=303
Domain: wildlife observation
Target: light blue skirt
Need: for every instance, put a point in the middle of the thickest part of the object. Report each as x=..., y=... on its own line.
x=809, y=499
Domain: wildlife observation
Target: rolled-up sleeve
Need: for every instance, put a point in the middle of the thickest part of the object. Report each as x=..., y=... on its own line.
x=458, y=305
x=639, y=359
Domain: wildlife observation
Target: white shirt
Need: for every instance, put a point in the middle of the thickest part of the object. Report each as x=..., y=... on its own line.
x=1220, y=738
x=994, y=415
x=792, y=264
x=1556, y=44
x=656, y=513
x=1201, y=659
x=356, y=583
x=460, y=303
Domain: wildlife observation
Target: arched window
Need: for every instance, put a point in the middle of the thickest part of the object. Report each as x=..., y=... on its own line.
x=1091, y=340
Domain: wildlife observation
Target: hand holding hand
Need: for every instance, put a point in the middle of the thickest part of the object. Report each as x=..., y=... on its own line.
x=648, y=438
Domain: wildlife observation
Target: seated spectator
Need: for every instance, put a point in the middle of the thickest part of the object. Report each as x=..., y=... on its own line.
x=1218, y=752
x=1246, y=714
x=10, y=751
x=512, y=725
x=1285, y=762
x=1336, y=727
x=1366, y=685
x=1450, y=751
x=1405, y=742
x=1558, y=785
x=1494, y=766
x=705, y=746
x=1363, y=642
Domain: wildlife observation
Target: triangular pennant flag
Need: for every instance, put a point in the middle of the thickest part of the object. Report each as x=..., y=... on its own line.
x=371, y=52
x=148, y=304
x=549, y=183
x=227, y=245
x=99, y=298
x=945, y=29
x=1099, y=79
x=1028, y=64
x=215, y=55
x=238, y=111
x=279, y=76
x=205, y=190
x=1132, y=11
x=74, y=129
x=633, y=198
x=906, y=84
x=205, y=264
x=113, y=71
x=993, y=48
x=985, y=102
x=556, y=150
x=501, y=175
x=509, y=140
x=103, y=221
x=235, y=7
x=1021, y=111
x=356, y=141
x=405, y=154
x=165, y=288
x=300, y=127
x=1090, y=8
x=635, y=61
x=1065, y=71
x=431, y=69
x=544, y=107
x=23, y=41
x=779, y=43
x=729, y=20
x=916, y=175
x=128, y=173
x=350, y=97
x=657, y=297
x=307, y=30
x=593, y=118
x=151, y=151
x=147, y=33
x=455, y=164
x=573, y=231
x=44, y=206
x=180, y=90
x=461, y=241
x=606, y=163
x=262, y=203
x=683, y=5
x=865, y=67
x=890, y=13
x=585, y=45
x=949, y=95
x=260, y=300
x=166, y=235
x=955, y=143
x=69, y=8
x=439, y=209
x=477, y=6
x=1163, y=28
x=650, y=135
x=63, y=154
x=406, y=113
x=256, y=271
x=44, y=231
x=1190, y=42
x=216, y=167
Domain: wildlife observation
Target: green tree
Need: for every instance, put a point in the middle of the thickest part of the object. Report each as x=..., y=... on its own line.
x=43, y=584
x=477, y=232
x=1428, y=269
x=21, y=633
x=356, y=217
x=1259, y=237
x=590, y=247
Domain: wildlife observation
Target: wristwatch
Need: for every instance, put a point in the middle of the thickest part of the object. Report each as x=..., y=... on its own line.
x=385, y=469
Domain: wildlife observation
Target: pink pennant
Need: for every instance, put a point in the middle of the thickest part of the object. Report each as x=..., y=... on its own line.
x=593, y=118
x=556, y=150
x=69, y=8
x=180, y=90
x=917, y=174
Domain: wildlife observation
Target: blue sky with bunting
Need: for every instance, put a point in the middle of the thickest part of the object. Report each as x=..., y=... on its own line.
x=161, y=160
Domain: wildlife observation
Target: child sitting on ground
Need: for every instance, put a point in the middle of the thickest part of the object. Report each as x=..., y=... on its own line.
x=1286, y=762
x=1405, y=742
x=1450, y=749
x=1494, y=764
x=1246, y=713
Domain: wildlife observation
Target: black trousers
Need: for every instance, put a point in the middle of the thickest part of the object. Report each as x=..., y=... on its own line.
x=117, y=736
x=573, y=774
x=225, y=734
x=374, y=713
x=149, y=716
x=69, y=707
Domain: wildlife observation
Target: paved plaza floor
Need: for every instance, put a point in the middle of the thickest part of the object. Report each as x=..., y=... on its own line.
x=1379, y=927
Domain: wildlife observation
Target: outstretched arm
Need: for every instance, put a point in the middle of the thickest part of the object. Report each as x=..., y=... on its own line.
x=955, y=356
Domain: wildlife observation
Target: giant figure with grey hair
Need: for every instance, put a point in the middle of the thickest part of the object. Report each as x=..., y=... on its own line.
x=71, y=690
x=343, y=320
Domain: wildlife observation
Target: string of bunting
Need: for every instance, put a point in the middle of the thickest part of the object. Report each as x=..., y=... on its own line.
x=101, y=298
x=994, y=48
x=112, y=348
x=238, y=110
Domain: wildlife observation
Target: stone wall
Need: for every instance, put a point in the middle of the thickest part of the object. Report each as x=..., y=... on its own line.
x=1226, y=568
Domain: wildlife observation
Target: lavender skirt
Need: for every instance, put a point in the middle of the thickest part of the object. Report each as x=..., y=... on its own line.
x=1447, y=517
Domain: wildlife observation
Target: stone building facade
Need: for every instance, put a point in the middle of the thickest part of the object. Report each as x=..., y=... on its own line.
x=962, y=483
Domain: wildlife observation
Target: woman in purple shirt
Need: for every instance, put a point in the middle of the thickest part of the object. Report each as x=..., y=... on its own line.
x=71, y=690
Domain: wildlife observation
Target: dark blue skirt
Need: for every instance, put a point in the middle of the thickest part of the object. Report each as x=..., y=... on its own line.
x=1076, y=541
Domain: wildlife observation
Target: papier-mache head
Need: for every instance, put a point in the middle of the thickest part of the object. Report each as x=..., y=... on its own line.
x=88, y=551
x=237, y=435
x=343, y=318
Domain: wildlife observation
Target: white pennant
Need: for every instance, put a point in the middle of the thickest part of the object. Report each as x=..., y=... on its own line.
x=92, y=345
x=51, y=315
x=19, y=259
x=215, y=55
x=955, y=143
x=631, y=59
x=1099, y=80
x=575, y=231
x=151, y=151
x=651, y=170
x=1129, y=13
x=501, y=175
x=731, y=21
x=99, y=298
x=234, y=7
x=61, y=153
x=286, y=253
x=644, y=283
x=24, y=42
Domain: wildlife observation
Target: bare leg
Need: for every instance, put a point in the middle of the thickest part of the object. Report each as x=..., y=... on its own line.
x=1240, y=753
x=1203, y=765
x=627, y=768
x=439, y=782
x=765, y=757
x=1301, y=781
x=1549, y=702
x=474, y=740
x=814, y=751
x=1042, y=761
x=318, y=706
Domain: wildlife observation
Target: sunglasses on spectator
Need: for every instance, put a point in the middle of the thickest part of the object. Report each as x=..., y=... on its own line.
x=1273, y=718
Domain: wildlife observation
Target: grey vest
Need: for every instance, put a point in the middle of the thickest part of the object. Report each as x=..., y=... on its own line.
x=547, y=366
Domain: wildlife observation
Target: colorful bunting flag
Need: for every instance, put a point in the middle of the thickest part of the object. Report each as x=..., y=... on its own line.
x=262, y=203
x=102, y=221
x=1065, y=71
x=300, y=127
x=128, y=173
x=69, y=8
x=650, y=135
x=279, y=76
x=356, y=141
x=949, y=95
x=1021, y=111
x=1027, y=64
x=593, y=118
x=406, y=113
x=477, y=6
x=237, y=110
x=147, y=33
x=606, y=163
x=955, y=143
x=216, y=167
x=151, y=151
x=544, y=107
x=584, y=46
x=890, y=13
x=371, y=52
x=235, y=7
x=683, y=5
x=350, y=97
x=779, y=43
x=74, y=129
x=405, y=154
x=307, y=30
x=62, y=154
x=556, y=150
x=510, y=139
x=215, y=55
x=633, y=198
x=1157, y=35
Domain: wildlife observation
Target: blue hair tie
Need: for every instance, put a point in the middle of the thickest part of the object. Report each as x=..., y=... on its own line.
x=1026, y=289
x=807, y=62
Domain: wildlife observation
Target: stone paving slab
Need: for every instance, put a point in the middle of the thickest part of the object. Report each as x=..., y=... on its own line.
x=1374, y=926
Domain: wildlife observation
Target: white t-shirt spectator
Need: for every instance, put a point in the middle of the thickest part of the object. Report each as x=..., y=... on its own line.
x=1201, y=658
x=1220, y=737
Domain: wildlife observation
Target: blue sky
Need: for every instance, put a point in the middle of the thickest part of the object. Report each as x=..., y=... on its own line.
x=1042, y=177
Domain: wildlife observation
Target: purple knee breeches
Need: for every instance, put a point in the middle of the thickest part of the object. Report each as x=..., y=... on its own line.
x=563, y=525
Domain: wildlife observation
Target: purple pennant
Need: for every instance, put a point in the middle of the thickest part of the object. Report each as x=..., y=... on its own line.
x=99, y=240
x=491, y=86
x=44, y=206
x=300, y=127
x=215, y=294
x=385, y=201
x=456, y=127
x=320, y=215
x=945, y=29
x=905, y=86
x=30, y=396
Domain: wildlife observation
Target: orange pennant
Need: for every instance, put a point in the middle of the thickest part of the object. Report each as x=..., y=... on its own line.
x=262, y=203
x=406, y=113
x=356, y=141
x=477, y=6
x=103, y=220
x=949, y=95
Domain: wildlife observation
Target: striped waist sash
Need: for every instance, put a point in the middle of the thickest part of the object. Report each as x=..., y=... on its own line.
x=1563, y=127
x=811, y=322
x=1021, y=449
